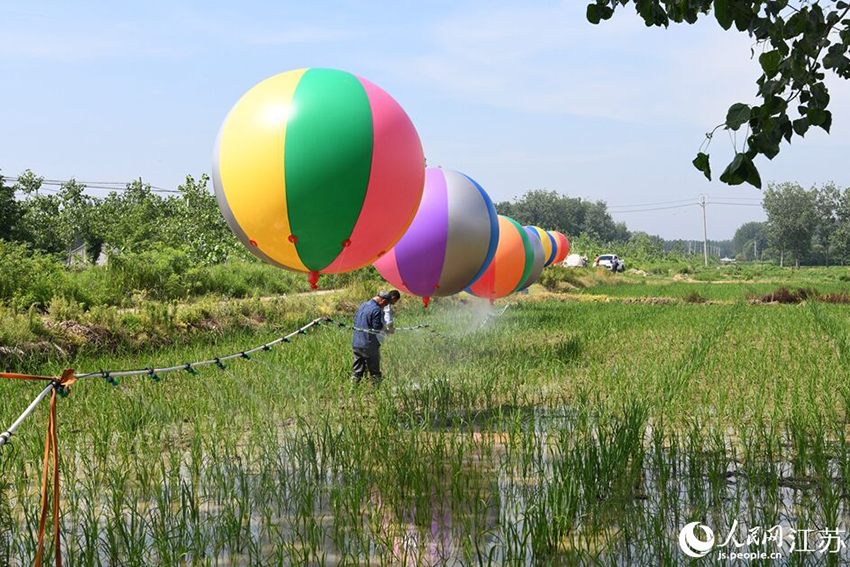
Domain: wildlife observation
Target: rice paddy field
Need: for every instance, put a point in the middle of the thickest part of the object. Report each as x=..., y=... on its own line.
x=561, y=432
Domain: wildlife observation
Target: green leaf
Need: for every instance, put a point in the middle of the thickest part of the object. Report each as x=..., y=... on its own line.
x=827, y=121
x=770, y=88
x=723, y=13
x=786, y=129
x=795, y=25
x=770, y=62
x=774, y=105
x=737, y=115
x=765, y=143
x=701, y=163
x=593, y=15
x=770, y=150
x=816, y=116
x=735, y=172
x=742, y=169
x=801, y=126
x=752, y=173
x=820, y=96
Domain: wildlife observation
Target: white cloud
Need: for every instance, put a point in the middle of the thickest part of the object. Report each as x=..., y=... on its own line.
x=48, y=37
x=551, y=60
x=241, y=27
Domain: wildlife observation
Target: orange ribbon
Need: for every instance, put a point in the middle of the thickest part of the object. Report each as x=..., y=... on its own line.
x=51, y=446
x=14, y=376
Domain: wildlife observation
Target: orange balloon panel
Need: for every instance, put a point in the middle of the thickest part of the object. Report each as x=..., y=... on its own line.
x=511, y=264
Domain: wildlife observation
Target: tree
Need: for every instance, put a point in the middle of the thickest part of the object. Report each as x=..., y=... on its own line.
x=597, y=221
x=750, y=238
x=28, y=183
x=796, y=41
x=196, y=224
x=543, y=208
x=38, y=221
x=573, y=216
x=79, y=218
x=132, y=220
x=9, y=211
x=791, y=218
x=826, y=212
x=841, y=237
x=621, y=232
x=646, y=246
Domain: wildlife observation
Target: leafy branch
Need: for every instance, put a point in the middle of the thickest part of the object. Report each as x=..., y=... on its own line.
x=799, y=42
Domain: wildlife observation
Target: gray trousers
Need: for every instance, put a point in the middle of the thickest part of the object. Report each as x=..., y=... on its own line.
x=366, y=359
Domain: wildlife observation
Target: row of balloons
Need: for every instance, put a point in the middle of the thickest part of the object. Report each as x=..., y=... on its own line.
x=321, y=171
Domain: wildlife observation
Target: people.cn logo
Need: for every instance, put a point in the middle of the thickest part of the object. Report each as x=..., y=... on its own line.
x=691, y=545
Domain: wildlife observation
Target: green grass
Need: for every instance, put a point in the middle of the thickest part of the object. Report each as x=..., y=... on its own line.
x=560, y=433
x=716, y=284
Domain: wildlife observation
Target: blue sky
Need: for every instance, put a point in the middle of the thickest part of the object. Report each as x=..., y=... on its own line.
x=518, y=97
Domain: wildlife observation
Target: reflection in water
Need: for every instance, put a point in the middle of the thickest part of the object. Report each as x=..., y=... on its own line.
x=511, y=484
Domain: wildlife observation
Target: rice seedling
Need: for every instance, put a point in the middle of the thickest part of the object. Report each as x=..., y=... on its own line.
x=558, y=433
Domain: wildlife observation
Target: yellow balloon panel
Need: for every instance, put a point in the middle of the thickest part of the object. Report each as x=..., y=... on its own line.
x=251, y=164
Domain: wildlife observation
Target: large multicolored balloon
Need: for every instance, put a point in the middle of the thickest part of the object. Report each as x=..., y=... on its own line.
x=511, y=264
x=550, y=247
x=318, y=171
x=450, y=242
x=538, y=260
x=562, y=246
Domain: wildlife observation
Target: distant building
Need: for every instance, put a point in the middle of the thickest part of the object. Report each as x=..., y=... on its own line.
x=78, y=256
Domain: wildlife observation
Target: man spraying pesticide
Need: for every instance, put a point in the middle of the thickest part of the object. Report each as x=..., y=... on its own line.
x=372, y=323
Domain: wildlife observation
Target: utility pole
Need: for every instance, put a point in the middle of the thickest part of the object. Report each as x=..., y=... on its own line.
x=704, y=232
x=755, y=250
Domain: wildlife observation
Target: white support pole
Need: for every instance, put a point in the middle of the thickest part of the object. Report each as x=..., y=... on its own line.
x=704, y=233
x=6, y=435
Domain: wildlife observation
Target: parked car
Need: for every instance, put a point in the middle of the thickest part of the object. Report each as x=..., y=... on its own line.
x=605, y=260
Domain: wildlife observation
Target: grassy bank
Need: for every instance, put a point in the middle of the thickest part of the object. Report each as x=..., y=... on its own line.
x=68, y=331
x=36, y=281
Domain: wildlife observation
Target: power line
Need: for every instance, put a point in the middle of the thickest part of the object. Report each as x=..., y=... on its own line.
x=656, y=208
x=734, y=198
x=696, y=203
x=686, y=202
x=107, y=185
x=651, y=204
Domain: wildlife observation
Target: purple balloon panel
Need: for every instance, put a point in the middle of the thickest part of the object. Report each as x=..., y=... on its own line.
x=421, y=251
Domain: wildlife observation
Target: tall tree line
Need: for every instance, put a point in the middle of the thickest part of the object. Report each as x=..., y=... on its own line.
x=804, y=226
x=570, y=215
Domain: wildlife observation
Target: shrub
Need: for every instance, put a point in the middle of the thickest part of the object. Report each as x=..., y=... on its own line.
x=784, y=295
x=159, y=272
x=28, y=277
x=693, y=297
x=63, y=309
x=553, y=277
